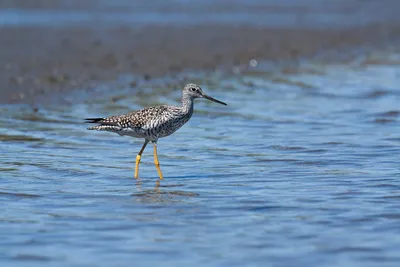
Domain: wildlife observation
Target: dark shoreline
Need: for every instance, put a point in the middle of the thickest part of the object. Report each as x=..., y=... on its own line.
x=37, y=61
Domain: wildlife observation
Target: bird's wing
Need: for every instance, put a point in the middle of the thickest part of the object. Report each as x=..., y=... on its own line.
x=135, y=119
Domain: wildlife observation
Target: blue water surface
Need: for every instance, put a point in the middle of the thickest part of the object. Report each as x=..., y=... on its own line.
x=300, y=169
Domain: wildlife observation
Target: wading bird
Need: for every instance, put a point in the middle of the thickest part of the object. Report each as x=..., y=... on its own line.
x=153, y=123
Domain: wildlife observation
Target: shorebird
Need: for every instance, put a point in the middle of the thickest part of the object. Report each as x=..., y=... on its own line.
x=152, y=123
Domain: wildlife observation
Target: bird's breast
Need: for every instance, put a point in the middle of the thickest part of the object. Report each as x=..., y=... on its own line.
x=162, y=128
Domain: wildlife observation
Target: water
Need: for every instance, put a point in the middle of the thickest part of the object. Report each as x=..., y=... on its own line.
x=271, y=13
x=300, y=169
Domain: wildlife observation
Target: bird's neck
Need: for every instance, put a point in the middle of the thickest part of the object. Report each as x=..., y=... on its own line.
x=187, y=104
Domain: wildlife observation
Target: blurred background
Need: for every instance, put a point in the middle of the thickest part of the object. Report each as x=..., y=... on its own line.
x=49, y=46
x=300, y=169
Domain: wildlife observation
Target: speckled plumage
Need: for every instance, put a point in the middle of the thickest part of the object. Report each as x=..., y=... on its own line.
x=153, y=123
x=149, y=123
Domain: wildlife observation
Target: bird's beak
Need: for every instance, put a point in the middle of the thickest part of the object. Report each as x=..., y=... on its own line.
x=213, y=99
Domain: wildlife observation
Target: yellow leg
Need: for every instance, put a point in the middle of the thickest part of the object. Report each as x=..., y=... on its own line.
x=156, y=162
x=138, y=157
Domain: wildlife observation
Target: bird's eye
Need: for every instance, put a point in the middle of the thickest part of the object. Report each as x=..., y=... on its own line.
x=193, y=89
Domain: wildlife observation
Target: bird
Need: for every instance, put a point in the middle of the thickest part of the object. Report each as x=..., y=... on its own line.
x=153, y=123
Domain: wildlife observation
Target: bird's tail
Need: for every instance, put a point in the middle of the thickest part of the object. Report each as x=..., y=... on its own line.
x=93, y=120
x=102, y=125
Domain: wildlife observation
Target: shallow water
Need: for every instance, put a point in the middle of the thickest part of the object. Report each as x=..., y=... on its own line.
x=272, y=13
x=300, y=169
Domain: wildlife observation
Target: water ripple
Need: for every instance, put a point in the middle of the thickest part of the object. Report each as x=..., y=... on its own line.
x=300, y=163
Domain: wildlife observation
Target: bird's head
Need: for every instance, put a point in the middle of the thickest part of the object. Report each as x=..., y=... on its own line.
x=193, y=91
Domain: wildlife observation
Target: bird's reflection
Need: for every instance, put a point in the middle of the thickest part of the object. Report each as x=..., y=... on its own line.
x=160, y=193
x=157, y=187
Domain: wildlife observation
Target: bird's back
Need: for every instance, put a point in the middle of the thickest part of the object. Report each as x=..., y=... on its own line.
x=150, y=123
